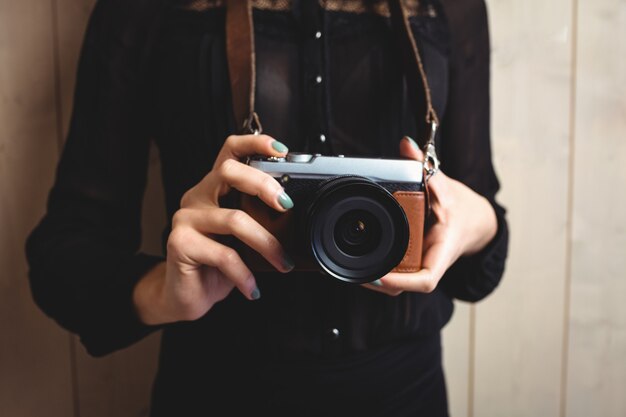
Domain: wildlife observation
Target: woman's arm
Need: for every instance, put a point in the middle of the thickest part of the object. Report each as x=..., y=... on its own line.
x=466, y=249
x=85, y=269
x=83, y=255
x=466, y=144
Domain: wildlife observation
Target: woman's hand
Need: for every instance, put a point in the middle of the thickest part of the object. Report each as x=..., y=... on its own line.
x=200, y=271
x=465, y=224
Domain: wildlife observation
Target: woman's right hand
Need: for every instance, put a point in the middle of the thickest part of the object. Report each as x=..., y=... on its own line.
x=200, y=271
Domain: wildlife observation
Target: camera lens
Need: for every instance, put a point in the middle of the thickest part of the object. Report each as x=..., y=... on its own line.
x=358, y=231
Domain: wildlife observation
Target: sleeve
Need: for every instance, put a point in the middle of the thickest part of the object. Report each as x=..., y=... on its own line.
x=465, y=144
x=83, y=255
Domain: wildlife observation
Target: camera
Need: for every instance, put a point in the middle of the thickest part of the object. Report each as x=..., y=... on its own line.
x=354, y=218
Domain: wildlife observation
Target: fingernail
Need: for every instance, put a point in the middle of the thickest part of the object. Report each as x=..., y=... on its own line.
x=288, y=263
x=285, y=201
x=279, y=147
x=255, y=294
x=412, y=142
x=377, y=283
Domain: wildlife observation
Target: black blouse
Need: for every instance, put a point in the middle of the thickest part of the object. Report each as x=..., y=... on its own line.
x=328, y=82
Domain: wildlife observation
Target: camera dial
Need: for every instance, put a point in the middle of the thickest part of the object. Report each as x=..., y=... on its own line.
x=299, y=157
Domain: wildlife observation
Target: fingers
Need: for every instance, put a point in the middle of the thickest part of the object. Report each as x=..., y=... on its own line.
x=192, y=248
x=435, y=262
x=239, y=224
x=240, y=146
x=234, y=174
x=441, y=243
x=380, y=287
x=410, y=149
x=229, y=172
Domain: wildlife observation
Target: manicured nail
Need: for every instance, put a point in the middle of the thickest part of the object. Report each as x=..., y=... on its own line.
x=288, y=263
x=377, y=283
x=285, y=201
x=413, y=143
x=255, y=294
x=279, y=147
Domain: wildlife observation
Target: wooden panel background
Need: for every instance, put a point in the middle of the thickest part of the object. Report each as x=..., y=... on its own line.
x=519, y=331
x=550, y=341
x=596, y=371
x=35, y=364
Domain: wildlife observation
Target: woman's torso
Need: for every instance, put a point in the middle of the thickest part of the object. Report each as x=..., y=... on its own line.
x=357, y=106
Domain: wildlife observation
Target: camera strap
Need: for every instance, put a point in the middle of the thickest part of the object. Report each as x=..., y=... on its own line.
x=414, y=71
x=242, y=71
x=241, y=59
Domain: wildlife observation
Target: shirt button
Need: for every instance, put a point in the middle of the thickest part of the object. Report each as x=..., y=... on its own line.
x=318, y=79
x=318, y=34
x=333, y=334
x=322, y=138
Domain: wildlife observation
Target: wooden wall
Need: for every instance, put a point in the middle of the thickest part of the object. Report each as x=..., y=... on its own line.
x=551, y=341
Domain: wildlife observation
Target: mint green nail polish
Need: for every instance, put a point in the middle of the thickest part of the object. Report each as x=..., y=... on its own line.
x=285, y=201
x=279, y=147
x=255, y=294
x=412, y=142
x=288, y=263
x=377, y=283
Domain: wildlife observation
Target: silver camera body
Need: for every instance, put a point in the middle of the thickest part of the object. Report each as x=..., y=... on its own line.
x=309, y=166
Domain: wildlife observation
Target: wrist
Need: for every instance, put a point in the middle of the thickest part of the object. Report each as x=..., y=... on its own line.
x=485, y=228
x=147, y=296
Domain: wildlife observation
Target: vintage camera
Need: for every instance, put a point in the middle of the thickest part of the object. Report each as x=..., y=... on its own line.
x=354, y=218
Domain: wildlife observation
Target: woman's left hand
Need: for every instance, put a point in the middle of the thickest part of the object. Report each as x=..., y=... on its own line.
x=465, y=224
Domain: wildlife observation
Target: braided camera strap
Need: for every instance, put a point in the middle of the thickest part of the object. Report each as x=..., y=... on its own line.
x=414, y=67
x=242, y=71
x=414, y=71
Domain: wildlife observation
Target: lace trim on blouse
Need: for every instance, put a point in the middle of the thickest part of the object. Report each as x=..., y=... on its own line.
x=379, y=7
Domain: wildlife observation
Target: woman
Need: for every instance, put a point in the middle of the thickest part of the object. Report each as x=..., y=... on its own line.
x=329, y=80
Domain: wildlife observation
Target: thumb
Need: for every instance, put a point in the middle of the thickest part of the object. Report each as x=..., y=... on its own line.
x=410, y=149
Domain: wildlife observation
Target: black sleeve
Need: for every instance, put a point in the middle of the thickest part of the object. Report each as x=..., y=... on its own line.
x=83, y=255
x=465, y=144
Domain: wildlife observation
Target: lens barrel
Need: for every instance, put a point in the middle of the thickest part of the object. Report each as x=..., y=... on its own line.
x=358, y=231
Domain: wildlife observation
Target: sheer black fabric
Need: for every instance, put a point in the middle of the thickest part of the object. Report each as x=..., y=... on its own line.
x=152, y=71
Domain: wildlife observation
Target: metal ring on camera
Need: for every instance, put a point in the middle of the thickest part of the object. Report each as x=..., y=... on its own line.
x=431, y=161
x=252, y=124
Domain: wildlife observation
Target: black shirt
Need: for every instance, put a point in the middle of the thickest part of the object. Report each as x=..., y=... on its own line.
x=154, y=71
